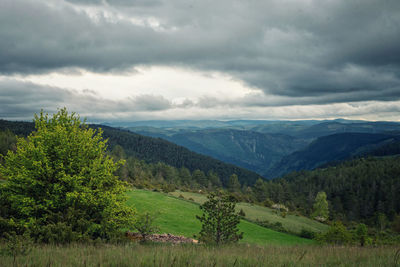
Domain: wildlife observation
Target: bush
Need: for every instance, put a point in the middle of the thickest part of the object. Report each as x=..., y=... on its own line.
x=241, y=213
x=61, y=185
x=268, y=203
x=145, y=225
x=307, y=234
x=17, y=245
x=337, y=234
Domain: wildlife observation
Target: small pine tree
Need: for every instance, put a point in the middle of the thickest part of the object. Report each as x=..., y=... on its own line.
x=219, y=220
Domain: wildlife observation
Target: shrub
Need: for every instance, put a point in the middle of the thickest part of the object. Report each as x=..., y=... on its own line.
x=17, y=245
x=145, y=225
x=337, y=234
x=268, y=203
x=307, y=234
x=241, y=213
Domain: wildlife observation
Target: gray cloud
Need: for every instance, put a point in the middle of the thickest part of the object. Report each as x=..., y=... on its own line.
x=20, y=100
x=305, y=52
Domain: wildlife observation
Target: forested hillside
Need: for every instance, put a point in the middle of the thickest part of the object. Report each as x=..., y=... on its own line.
x=252, y=150
x=335, y=148
x=154, y=150
x=361, y=189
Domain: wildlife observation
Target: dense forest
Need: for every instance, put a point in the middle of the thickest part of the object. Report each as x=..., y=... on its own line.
x=358, y=190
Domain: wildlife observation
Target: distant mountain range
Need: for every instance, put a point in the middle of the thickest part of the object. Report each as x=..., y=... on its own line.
x=274, y=148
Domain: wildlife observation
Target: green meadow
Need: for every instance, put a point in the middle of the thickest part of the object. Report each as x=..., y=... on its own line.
x=177, y=216
x=291, y=222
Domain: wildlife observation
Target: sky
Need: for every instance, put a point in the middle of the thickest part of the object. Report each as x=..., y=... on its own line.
x=130, y=60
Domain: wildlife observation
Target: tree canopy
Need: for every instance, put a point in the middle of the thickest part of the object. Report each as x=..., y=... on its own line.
x=61, y=185
x=321, y=209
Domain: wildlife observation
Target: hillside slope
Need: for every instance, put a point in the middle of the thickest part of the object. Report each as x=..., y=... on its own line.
x=330, y=148
x=248, y=149
x=290, y=222
x=356, y=189
x=178, y=217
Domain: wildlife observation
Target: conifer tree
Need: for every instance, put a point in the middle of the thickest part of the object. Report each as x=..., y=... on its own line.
x=219, y=220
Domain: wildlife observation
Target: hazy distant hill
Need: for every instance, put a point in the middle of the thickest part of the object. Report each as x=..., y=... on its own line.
x=260, y=145
x=248, y=149
x=330, y=148
x=334, y=127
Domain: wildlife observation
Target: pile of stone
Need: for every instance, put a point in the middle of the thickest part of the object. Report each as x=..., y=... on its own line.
x=163, y=238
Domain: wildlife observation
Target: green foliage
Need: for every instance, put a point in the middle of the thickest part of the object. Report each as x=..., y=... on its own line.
x=356, y=190
x=268, y=203
x=219, y=220
x=337, y=234
x=242, y=213
x=233, y=183
x=17, y=245
x=307, y=233
x=61, y=185
x=144, y=224
x=361, y=234
x=321, y=210
x=7, y=141
x=396, y=224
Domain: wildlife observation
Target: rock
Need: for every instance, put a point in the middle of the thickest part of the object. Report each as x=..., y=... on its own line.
x=163, y=238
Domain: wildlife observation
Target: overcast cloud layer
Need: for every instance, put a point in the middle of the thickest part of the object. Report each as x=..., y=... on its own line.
x=299, y=58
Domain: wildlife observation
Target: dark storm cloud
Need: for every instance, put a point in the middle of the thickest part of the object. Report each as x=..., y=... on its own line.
x=20, y=100
x=308, y=52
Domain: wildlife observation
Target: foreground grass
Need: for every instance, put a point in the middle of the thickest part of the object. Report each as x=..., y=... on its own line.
x=196, y=255
x=178, y=217
x=291, y=222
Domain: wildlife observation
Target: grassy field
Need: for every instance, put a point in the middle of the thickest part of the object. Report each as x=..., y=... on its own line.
x=196, y=255
x=178, y=217
x=292, y=223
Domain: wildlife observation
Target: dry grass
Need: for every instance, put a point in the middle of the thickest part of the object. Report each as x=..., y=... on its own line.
x=197, y=255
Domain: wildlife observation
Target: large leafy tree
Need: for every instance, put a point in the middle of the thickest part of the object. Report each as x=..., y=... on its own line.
x=61, y=184
x=219, y=220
